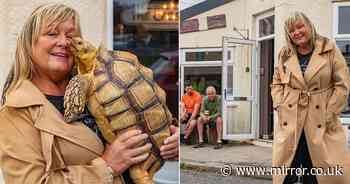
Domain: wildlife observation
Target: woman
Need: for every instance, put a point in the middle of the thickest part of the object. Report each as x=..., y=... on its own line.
x=309, y=90
x=36, y=145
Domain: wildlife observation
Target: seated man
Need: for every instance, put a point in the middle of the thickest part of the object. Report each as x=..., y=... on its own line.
x=190, y=103
x=210, y=114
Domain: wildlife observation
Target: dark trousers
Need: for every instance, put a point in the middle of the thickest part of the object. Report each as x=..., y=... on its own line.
x=301, y=159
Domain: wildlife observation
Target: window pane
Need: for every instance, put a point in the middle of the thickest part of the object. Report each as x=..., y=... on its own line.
x=229, y=82
x=202, y=77
x=267, y=26
x=344, y=23
x=149, y=29
x=204, y=56
x=344, y=46
x=239, y=118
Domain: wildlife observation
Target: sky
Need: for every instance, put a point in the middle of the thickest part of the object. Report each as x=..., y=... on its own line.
x=187, y=3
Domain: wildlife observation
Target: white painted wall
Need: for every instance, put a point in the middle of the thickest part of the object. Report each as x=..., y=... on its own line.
x=242, y=14
x=234, y=12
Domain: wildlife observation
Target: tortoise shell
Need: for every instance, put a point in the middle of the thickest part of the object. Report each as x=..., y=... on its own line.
x=128, y=95
x=121, y=95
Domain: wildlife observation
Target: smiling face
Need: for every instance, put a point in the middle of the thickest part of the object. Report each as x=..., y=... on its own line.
x=300, y=33
x=51, y=54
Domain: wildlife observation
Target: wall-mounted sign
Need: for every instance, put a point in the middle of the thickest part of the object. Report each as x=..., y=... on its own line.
x=191, y=25
x=216, y=21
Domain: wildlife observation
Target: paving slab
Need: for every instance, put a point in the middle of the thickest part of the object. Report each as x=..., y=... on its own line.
x=231, y=155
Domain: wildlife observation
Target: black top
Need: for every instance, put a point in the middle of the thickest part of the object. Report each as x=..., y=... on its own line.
x=304, y=61
x=85, y=117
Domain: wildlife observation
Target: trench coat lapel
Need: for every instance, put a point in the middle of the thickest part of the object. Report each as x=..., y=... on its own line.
x=317, y=62
x=292, y=65
x=50, y=120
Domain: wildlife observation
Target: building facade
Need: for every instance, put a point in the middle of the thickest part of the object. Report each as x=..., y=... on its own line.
x=147, y=28
x=233, y=45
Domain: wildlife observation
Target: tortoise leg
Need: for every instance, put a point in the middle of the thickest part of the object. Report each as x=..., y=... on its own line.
x=155, y=167
x=102, y=122
x=143, y=173
x=75, y=97
x=140, y=175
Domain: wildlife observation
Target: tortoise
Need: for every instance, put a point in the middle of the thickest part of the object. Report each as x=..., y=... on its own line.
x=121, y=95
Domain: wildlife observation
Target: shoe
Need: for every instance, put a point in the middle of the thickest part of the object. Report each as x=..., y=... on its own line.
x=218, y=146
x=186, y=141
x=199, y=145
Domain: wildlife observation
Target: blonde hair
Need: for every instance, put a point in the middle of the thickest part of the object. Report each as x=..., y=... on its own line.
x=47, y=15
x=288, y=25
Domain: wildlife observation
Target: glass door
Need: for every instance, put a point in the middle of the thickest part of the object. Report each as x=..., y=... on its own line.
x=239, y=89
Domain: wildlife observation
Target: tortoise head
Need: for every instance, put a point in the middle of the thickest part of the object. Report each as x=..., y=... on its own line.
x=84, y=54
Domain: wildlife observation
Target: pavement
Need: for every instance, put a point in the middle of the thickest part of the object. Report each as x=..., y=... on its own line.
x=233, y=154
x=190, y=177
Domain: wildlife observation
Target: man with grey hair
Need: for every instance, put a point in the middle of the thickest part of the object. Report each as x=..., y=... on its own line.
x=210, y=114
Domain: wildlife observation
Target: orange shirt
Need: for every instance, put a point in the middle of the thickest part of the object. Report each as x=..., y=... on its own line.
x=190, y=100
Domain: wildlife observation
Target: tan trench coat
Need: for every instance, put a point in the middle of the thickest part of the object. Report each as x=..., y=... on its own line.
x=313, y=102
x=37, y=146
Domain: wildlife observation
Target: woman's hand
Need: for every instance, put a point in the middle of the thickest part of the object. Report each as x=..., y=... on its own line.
x=170, y=149
x=123, y=152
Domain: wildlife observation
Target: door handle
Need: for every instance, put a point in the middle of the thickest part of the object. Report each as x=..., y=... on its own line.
x=243, y=98
x=225, y=93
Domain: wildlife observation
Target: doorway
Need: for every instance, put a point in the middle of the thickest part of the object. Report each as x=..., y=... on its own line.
x=266, y=72
x=239, y=87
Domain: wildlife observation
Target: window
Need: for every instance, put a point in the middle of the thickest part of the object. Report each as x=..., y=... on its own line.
x=341, y=26
x=202, y=77
x=341, y=30
x=149, y=29
x=204, y=56
x=343, y=16
x=265, y=26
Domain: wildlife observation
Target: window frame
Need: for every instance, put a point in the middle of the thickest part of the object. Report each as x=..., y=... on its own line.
x=109, y=25
x=336, y=7
x=340, y=37
x=260, y=17
x=215, y=62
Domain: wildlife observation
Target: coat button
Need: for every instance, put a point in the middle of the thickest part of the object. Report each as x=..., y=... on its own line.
x=319, y=126
x=290, y=105
x=317, y=106
x=285, y=123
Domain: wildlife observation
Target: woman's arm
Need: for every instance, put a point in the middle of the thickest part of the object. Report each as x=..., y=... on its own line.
x=340, y=78
x=276, y=85
x=23, y=159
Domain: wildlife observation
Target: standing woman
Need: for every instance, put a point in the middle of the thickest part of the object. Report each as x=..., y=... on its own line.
x=309, y=90
x=36, y=145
